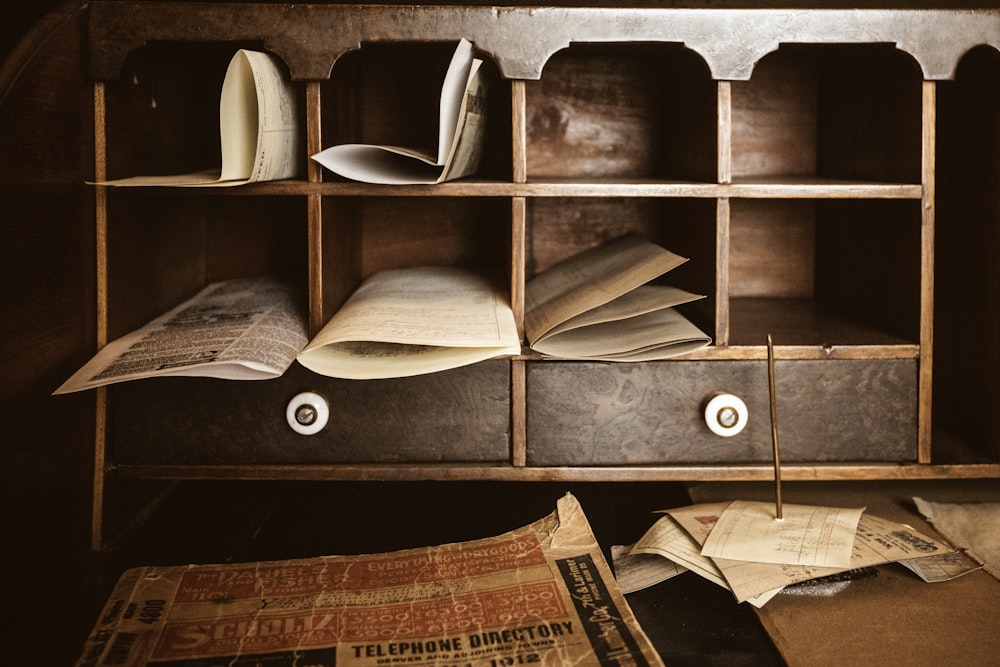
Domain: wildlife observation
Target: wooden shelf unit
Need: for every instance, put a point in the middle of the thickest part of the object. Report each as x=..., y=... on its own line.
x=826, y=171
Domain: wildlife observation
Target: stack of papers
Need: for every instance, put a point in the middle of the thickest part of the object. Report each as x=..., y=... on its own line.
x=740, y=546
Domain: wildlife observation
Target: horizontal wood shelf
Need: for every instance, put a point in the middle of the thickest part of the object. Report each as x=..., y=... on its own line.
x=791, y=189
x=465, y=472
x=781, y=353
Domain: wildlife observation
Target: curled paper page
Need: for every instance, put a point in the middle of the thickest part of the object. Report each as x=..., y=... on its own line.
x=599, y=304
x=405, y=322
x=259, y=128
x=461, y=133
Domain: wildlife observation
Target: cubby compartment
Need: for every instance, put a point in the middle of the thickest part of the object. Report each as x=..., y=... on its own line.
x=826, y=272
x=831, y=112
x=600, y=414
x=457, y=415
x=622, y=111
x=164, y=247
x=365, y=235
x=559, y=228
x=967, y=273
x=389, y=93
x=162, y=114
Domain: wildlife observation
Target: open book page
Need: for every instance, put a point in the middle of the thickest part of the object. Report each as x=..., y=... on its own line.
x=640, y=301
x=405, y=322
x=258, y=126
x=461, y=133
x=541, y=594
x=241, y=329
x=592, y=278
x=644, y=336
x=597, y=305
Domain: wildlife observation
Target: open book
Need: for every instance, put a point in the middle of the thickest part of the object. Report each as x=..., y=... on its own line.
x=461, y=130
x=258, y=126
x=405, y=322
x=240, y=329
x=599, y=305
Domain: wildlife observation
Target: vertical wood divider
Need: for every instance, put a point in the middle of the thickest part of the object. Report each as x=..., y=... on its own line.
x=518, y=240
x=518, y=413
x=724, y=139
x=724, y=131
x=928, y=169
x=314, y=143
x=519, y=129
x=722, y=321
x=101, y=279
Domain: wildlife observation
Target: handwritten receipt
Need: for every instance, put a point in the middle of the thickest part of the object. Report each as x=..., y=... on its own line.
x=807, y=535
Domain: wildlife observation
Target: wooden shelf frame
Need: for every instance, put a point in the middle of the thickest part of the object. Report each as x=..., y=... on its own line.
x=117, y=28
x=520, y=473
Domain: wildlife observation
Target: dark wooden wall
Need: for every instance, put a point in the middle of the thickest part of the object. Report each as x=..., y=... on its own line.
x=46, y=324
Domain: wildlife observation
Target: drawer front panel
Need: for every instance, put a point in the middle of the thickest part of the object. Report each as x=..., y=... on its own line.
x=457, y=415
x=619, y=414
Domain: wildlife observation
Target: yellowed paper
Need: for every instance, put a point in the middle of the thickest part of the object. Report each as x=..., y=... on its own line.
x=598, y=305
x=240, y=329
x=590, y=279
x=666, y=538
x=461, y=135
x=974, y=527
x=538, y=595
x=259, y=126
x=639, y=301
x=876, y=542
x=636, y=571
x=406, y=322
x=806, y=535
x=945, y=567
x=655, y=335
x=669, y=538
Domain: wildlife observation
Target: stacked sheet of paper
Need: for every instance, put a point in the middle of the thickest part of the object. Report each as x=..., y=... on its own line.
x=740, y=546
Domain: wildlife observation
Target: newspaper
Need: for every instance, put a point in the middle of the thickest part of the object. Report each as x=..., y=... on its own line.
x=240, y=329
x=539, y=595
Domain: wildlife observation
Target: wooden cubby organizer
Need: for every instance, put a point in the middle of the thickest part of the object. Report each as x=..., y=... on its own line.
x=831, y=175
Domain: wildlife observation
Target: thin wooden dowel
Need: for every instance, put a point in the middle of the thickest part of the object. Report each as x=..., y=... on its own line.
x=774, y=427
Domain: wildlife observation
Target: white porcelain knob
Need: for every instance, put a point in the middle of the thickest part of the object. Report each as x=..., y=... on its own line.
x=726, y=415
x=307, y=413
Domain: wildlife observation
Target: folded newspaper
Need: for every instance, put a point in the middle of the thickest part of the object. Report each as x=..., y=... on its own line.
x=239, y=329
x=540, y=595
